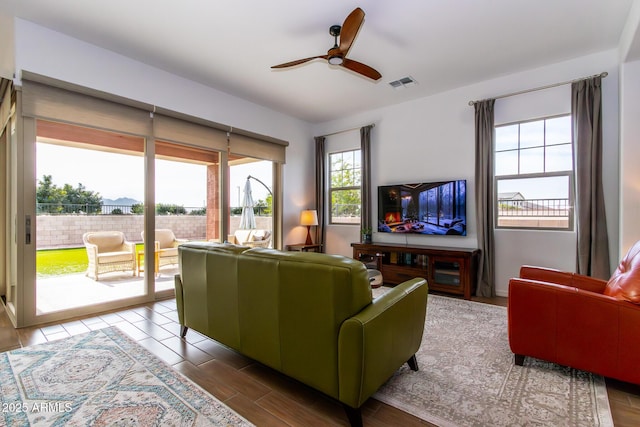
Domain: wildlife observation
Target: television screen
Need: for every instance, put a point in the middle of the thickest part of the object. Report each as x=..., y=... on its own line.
x=426, y=208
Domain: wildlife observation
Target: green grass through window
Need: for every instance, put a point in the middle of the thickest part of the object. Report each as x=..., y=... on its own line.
x=54, y=262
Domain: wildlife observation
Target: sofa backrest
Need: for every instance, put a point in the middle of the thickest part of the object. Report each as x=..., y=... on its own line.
x=283, y=309
x=106, y=241
x=625, y=281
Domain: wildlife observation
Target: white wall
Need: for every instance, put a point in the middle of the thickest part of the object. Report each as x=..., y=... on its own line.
x=6, y=47
x=433, y=139
x=53, y=54
x=629, y=155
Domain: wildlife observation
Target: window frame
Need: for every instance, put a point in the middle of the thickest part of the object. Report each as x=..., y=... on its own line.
x=332, y=189
x=570, y=174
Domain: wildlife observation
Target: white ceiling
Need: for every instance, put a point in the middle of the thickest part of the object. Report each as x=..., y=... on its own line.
x=231, y=44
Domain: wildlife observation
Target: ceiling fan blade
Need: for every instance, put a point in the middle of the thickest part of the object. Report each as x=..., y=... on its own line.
x=298, y=61
x=350, y=28
x=361, y=68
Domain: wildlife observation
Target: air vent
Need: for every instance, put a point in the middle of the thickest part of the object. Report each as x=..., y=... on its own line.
x=403, y=83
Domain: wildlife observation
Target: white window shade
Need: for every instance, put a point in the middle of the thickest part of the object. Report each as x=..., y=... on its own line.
x=550, y=102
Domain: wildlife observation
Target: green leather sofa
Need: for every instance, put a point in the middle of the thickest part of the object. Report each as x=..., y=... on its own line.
x=308, y=315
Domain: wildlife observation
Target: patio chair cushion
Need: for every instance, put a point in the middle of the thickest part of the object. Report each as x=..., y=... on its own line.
x=106, y=241
x=166, y=239
x=168, y=252
x=109, y=257
x=255, y=237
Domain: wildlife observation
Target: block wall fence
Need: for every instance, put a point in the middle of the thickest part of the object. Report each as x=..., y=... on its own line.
x=65, y=231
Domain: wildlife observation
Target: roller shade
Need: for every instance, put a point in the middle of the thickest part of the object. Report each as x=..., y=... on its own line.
x=6, y=88
x=260, y=149
x=53, y=100
x=42, y=101
x=181, y=131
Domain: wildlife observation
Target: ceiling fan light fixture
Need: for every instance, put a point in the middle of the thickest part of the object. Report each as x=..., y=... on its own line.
x=336, y=60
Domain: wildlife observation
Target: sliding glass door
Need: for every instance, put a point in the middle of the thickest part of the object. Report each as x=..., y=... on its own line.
x=186, y=194
x=89, y=193
x=97, y=190
x=252, y=202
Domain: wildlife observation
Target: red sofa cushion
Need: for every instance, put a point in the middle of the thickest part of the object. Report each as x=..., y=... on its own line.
x=625, y=282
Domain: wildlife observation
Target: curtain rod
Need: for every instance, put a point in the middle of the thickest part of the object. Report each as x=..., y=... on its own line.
x=348, y=130
x=603, y=74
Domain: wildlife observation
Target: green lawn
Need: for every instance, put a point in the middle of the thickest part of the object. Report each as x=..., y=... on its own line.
x=54, y=262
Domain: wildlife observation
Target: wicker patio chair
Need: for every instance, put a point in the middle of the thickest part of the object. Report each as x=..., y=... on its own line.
x=166, y=246
x=108, y=251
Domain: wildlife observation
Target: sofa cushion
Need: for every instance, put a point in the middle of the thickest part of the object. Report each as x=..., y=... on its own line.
x=625, y=282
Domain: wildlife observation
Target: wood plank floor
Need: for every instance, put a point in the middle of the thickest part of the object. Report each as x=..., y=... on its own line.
x=258, y=393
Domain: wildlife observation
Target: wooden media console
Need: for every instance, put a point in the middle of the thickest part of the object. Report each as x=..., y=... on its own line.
x=449, y=270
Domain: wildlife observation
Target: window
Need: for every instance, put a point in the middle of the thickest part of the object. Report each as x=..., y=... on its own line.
x=344, y=189
x=534, y=174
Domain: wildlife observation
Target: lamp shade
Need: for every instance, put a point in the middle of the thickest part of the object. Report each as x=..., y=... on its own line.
x=309, y=217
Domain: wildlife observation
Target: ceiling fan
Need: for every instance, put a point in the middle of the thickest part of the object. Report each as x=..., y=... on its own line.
x=337, y=55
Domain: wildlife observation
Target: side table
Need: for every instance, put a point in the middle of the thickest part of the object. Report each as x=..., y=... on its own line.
x=301, y=247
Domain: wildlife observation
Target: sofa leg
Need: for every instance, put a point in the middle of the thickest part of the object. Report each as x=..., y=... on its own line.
x=413, y=363
x=183, y=331
x=354, y=415
x=518, y=359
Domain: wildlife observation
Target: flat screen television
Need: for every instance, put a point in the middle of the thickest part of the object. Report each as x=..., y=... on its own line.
x=427, y=208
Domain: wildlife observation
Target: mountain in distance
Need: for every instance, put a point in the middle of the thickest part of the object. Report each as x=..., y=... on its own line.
x=120, y=201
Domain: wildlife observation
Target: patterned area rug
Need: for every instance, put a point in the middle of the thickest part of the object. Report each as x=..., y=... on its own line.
x=101, y=378
x=467, y=376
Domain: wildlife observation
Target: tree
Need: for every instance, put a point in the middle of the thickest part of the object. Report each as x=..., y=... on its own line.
x=80, y=197
x=269, y=208
x=137, y=208
x=66, y=199
x=49, y=195
x=345, y=187
x=170, y=209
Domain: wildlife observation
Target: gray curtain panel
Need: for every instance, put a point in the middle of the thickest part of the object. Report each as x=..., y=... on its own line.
x=484, y=197
x=365, y=150
x=592, y=256
x=320, y=190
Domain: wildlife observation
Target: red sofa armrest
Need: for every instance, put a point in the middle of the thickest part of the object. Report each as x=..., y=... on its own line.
x=551, y=275
x=574, y=327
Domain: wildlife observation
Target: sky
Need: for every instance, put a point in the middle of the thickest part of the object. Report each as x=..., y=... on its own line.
x=116, y=175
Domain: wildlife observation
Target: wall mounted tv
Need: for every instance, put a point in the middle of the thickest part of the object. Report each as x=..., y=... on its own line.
x=426, y=208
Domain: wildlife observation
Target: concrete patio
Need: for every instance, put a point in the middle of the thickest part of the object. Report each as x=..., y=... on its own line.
x=68, y=291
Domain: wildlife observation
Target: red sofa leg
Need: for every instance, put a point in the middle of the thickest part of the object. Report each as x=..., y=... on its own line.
x=518, y=359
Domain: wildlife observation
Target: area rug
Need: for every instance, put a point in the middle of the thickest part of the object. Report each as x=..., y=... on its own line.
x=467, y=376
x=101, y=378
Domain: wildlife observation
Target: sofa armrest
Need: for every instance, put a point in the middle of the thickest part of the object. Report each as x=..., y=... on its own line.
x=563, y=324
x=562, y=278
x=374, y=343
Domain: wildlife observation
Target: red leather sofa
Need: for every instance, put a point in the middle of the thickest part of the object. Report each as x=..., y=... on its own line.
x=579, y=321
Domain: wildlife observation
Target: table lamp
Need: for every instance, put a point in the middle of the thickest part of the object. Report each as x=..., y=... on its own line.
x=309, y=217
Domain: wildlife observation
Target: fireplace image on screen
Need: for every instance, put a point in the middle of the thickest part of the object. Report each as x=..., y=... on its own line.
x=426, y=208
